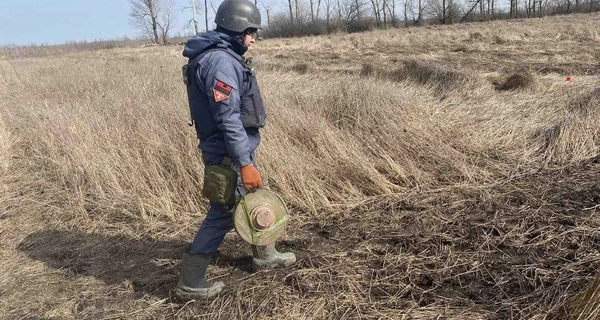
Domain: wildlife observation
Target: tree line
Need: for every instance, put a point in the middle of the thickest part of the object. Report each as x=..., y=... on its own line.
x=156, y=19
x=313, y=17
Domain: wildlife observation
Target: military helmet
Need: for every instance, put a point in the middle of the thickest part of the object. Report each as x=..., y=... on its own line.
x=237, y=16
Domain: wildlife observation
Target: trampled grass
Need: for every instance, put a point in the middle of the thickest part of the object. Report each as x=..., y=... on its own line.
x=440, y=172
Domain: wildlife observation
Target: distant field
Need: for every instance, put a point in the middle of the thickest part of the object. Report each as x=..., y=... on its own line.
x=446, y=172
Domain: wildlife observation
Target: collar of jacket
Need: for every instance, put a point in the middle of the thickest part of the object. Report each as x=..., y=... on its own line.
x=236, y=46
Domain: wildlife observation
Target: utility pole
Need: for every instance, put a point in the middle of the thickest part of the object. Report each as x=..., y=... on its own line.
x=194, y=15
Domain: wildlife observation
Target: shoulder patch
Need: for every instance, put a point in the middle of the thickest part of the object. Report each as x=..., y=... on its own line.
x=221, y=91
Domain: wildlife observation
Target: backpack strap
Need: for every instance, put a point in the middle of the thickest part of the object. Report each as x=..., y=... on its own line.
x=190, y=68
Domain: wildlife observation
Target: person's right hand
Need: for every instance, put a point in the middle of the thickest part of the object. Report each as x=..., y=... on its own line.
x=251, y=177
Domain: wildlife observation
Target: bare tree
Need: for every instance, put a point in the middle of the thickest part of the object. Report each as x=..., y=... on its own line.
x=328, y=12
x=422, y=5
x=318, y=8
x=206, y=14
x=476, y=3
x=298, y=12
x=406, y=4
x=394, y=19
x=350, y=10
x=291, y=12
x=194, y=16
x=195, y=10
x=444, y=11
x=144, y=16
x=376, y=12
x=452, y=11
x=268, y=6
x=154, y=18
x=514, y=9
x=384, y=5
x=168, y=19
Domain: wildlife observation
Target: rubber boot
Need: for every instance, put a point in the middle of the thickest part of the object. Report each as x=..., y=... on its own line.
x=265, y=257
x=192, y=282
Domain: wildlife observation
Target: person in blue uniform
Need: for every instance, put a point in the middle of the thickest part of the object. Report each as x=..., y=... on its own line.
x=227, y=111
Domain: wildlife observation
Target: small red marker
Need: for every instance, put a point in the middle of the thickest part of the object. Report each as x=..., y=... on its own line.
x=568, y=78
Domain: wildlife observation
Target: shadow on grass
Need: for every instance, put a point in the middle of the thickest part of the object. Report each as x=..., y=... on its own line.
x=148, y=265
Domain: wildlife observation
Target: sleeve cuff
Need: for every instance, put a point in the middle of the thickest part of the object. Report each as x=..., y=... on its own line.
x=243, y=161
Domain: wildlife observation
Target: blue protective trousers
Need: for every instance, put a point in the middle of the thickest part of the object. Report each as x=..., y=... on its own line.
x=218, y=222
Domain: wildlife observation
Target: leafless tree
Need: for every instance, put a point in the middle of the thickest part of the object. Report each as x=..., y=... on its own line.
x=475, y=4
x=268, y=6
x=154, y=18
x=291, y=12
x=350, y=11
x=445, y=10
x=407, y=3
x=420, y=10
x=206, y=14
x=194, y=11
x=376, y=12
x=514, y=8
x=385, y=11
x=143, y=16
x=358, y=5
x=393, y=18
x=328, y=12
x=418, y=17
x=318, y=8
x=167, y=19
x=298, y=12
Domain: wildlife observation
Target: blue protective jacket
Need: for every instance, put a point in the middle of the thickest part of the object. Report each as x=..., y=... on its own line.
x=225, y=102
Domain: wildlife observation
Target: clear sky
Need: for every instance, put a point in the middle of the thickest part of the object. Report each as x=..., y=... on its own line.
x=58, y=21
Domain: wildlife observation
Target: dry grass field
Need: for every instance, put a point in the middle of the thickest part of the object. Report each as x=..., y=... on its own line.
x=446, y=172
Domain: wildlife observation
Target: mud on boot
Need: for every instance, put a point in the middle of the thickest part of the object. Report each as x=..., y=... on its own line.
x=192, y=281
x=265, y=257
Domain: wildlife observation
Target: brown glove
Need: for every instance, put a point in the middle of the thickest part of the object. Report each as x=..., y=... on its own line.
x=251, y=177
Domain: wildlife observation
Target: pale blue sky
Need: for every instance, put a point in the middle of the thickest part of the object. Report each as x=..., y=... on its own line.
x=25, y=22
x=58, y=21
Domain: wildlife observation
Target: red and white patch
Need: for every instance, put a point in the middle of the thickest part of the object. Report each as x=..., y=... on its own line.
x=219, y=96
x=221, y=91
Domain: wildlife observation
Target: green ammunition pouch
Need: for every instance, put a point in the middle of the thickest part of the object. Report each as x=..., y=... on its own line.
x=220, y=182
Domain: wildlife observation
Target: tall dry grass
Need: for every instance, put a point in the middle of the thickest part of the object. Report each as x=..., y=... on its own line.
x=6, y=143
x=399, y=157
